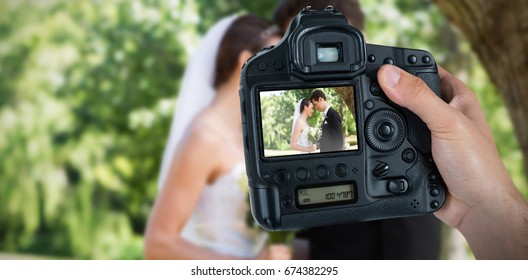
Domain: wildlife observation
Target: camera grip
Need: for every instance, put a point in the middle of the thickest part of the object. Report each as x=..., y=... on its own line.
x=264, y=208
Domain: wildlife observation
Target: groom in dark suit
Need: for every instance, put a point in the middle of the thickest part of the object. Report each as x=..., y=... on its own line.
x=332, y=138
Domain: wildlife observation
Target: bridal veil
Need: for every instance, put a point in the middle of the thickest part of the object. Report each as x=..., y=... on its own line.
x=196, y=91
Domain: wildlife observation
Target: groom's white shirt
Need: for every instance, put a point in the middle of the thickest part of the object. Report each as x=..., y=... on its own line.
x=326, y=110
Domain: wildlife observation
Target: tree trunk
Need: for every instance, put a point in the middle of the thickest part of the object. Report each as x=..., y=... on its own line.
x=498, y=33
x=347, y=94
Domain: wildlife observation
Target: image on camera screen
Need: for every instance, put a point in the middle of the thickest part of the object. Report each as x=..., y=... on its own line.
x=310, y=120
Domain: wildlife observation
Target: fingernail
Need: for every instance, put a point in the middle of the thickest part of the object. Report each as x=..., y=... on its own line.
x=391, y=75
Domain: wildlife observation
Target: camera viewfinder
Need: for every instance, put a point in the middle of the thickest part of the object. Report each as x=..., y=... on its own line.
x=329, y=53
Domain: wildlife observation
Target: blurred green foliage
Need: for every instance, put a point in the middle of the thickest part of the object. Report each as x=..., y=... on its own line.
x=87, y=91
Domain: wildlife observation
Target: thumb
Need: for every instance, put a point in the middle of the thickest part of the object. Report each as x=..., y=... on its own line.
x=413, y=93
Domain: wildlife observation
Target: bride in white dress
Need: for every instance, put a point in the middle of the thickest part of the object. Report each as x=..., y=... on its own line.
x=299, y=139
x=201, y=210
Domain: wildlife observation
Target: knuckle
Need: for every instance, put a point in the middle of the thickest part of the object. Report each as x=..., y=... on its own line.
x=417, y=92
x=419, y=88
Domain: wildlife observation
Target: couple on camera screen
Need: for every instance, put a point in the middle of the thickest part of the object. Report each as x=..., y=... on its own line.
x=325, y=131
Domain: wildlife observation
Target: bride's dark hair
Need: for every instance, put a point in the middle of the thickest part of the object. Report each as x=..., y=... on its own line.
x=304, y=102
x=247, y=32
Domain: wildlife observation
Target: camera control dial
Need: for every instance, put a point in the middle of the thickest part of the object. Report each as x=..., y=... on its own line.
x=385, y=130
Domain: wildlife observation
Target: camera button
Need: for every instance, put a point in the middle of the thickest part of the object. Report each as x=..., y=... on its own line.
x=287, y=202
x=434, y=192
x=388, y=61
x=386, y=130
x=278, y=65
x=371, y=58
x=412, y=59
x=369, y=104
x=398, y=186
x=321, y=172
x=341, y=170
x=408, y=155
x=434, y=204
x=375, y=88
x=432, y=177
x=262, y=66
x=426, y=59
x=302, y=174
x=381, y=169
x=282, y=176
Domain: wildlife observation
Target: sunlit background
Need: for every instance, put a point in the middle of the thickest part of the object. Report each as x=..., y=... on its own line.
x=87, y=91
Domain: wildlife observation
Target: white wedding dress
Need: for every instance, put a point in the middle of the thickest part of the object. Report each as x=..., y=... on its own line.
x=303, y=139
x=219, y=220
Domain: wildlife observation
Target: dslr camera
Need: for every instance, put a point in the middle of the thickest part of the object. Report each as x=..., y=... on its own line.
x=364, y=158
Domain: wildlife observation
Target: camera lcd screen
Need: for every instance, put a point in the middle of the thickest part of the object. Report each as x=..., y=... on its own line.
x=323, y=195
x=309, y=120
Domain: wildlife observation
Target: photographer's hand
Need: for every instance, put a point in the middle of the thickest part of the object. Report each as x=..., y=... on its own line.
x=483, y=203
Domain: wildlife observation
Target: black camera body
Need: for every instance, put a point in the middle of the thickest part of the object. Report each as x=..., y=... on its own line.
x=384, y=169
